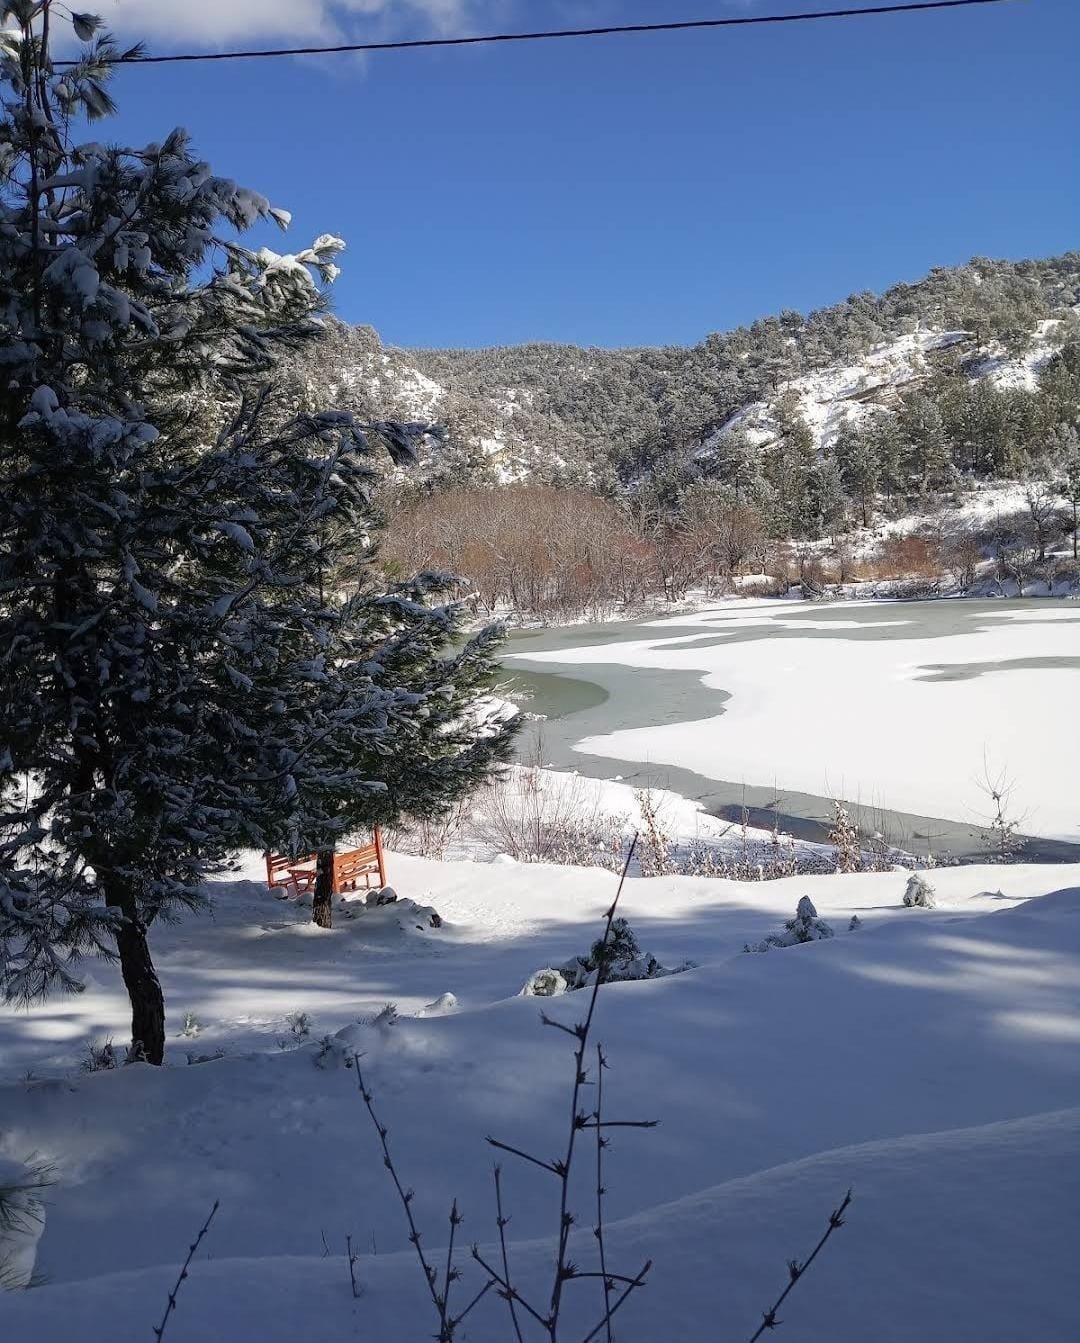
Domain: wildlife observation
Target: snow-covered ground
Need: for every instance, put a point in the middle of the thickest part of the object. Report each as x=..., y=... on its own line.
x=930, y=1059
x=892, y=722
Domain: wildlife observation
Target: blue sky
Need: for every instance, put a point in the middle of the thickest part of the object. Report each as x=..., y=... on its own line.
x=631, y=190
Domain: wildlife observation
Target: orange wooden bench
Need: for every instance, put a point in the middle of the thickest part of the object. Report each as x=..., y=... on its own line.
x=350, y=868
x=295, y=874
x=360, y=865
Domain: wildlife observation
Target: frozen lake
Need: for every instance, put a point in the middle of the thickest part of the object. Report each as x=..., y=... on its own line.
x=898, y=707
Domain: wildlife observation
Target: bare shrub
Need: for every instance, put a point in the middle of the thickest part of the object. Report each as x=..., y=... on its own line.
x=844, y=837
x=430, y=836
x=656, y=842
x=908, y=557
x=962, y=555
x=1002, y=836
x=537, y=816
x=541, y=551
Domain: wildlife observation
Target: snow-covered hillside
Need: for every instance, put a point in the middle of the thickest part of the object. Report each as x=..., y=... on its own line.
x=569, y=412
x=846, y=391
x=927, y=1059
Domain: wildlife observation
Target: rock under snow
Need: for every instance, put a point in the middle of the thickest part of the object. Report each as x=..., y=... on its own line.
x=620, y=957
x=919, y=892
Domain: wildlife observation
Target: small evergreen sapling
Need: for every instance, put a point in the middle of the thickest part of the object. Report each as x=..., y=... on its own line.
x=806, y=926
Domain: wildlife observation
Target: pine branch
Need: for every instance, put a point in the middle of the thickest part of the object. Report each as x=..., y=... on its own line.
x=159, y=1329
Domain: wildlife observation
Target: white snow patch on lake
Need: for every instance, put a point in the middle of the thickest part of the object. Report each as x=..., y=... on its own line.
x=871, y=720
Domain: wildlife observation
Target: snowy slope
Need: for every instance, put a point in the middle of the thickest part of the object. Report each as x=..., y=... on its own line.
x=964, y=1237
x=825, y=399
x=930, y=1059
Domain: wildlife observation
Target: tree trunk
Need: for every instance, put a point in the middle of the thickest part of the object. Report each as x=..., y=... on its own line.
x=140, y=977
x=322, y=911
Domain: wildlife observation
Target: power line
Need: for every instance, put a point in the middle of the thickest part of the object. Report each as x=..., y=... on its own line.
x=677, y=26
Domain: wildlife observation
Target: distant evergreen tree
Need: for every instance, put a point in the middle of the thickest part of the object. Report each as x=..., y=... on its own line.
x=735, y=461
x=826, y=497
x=1067, y=443
x=860, y=472
x=929, y=459
x=788, y=468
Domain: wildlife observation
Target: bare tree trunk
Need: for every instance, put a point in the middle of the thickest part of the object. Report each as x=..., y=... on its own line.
x=322, y=911
x=140, y=977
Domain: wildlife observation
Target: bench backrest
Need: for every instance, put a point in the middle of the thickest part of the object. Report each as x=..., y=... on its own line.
x=365, y=861
x=279, y=865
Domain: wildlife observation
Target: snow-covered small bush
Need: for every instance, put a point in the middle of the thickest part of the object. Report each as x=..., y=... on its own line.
x=100, y=1058
x=806, y=926
x=546, y=983
x=299, y=1024
x=386, y=1017
x=207, y=1058
x=854, y=924
x=616, y=960
x=192, y=1025
x=22, y=1220
x=919, y=892
x=340, y=1049
x=443, y=1004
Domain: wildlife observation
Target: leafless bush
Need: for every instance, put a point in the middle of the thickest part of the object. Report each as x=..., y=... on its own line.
x=537, y=816
x=1002, y=835
x=657, y=843
x=962, y=555
x=430, y=836
x=844, y=837
x=538, y=550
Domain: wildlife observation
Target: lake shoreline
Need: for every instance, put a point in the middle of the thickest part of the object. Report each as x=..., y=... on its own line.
x=564, y=692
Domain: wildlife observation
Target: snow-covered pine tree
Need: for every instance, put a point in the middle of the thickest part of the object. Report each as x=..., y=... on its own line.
x=859, y=468
x=157, y=621
x=388, y=717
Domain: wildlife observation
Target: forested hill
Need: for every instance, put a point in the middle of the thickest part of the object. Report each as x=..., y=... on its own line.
x=941, y=375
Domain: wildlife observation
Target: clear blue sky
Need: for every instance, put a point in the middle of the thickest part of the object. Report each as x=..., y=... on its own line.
x=641, y=190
